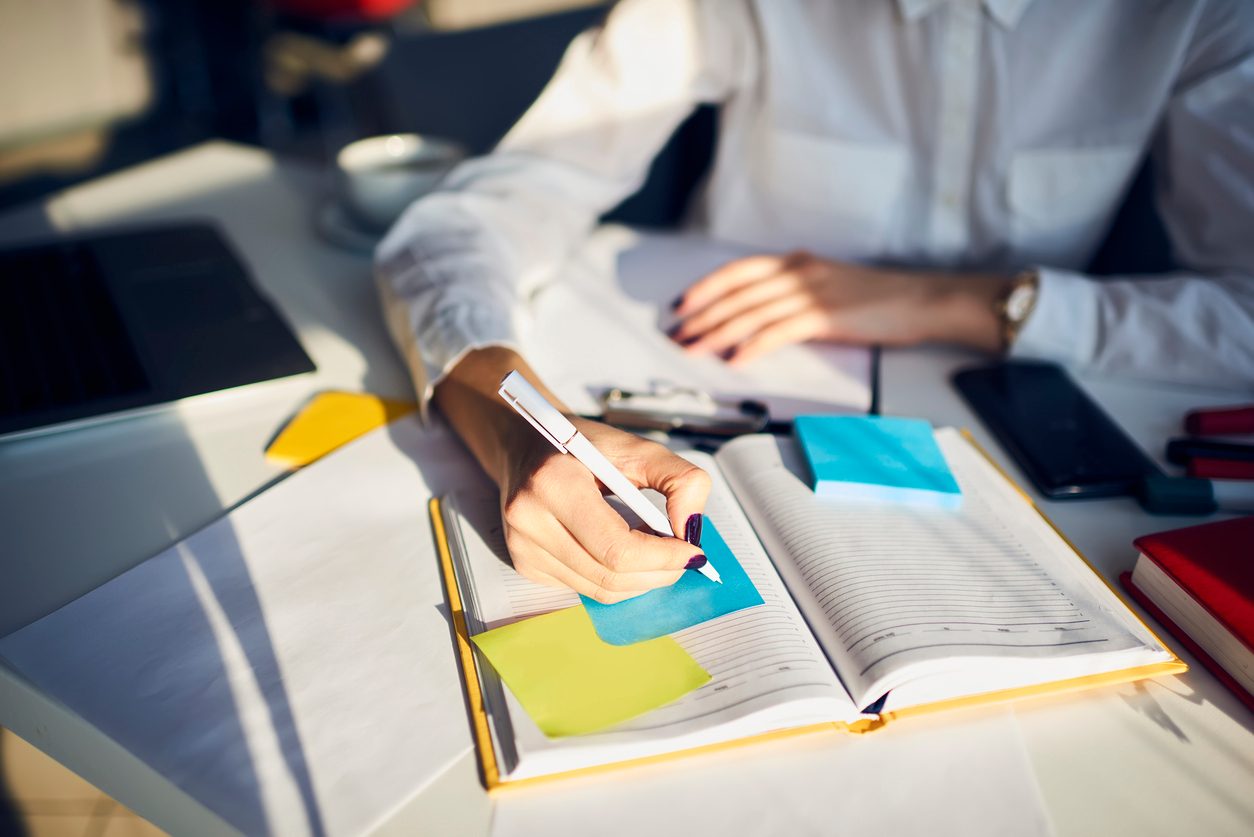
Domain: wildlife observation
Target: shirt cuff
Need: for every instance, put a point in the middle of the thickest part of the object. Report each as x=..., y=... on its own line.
x=432, y=345
x=1064, y=324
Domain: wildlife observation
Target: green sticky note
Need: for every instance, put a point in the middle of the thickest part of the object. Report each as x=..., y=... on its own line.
x=572, y=683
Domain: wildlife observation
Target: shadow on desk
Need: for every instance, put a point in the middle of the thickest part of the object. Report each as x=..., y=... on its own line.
x=207, y=615
x=10, y=818
x=177, y=706
x=175, y=496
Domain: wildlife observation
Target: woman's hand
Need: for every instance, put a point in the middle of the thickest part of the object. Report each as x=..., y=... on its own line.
x=559, y=528
x=754, y=305
x=561, y=531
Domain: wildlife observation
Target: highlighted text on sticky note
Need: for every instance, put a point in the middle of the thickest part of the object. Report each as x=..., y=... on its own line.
x=690, y=601
x=572, y=683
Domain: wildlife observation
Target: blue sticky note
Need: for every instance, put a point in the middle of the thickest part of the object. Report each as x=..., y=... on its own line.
x=690, y=601
x=876, y=458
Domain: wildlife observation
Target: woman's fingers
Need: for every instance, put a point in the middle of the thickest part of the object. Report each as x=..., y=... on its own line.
x=685, y=486
x=614, y=575
x=604, y=538
x=559, y=526
x=562, y=562
x=730, y=333
x=538, y=564
x=609, y=579
x=736, y=302
x=727, y=278
x=794, y=329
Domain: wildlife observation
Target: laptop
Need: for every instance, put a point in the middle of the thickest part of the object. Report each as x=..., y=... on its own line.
x=109, y=324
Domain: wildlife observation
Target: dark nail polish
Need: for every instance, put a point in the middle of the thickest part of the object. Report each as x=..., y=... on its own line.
x=728, y=354
x=692, y=530
x=673, y=330
x=697, y=562
x=677, y=301
x=687, y=341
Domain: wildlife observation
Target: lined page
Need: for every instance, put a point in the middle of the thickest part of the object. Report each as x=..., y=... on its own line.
x=895, y=591
x=767, y=670
x=752, y=655
x=497, y=595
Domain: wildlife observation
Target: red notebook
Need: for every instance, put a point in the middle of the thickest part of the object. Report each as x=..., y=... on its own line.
x=1199, y=583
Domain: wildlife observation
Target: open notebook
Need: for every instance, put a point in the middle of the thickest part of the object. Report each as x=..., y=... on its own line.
x=871, y=611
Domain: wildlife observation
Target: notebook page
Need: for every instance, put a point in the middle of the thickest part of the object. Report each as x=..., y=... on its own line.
x=767, y=671
x=897, y=592
x=495, y=594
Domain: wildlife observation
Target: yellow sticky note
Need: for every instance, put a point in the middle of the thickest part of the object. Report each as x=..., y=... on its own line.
x=330, y=420
x=572, y=683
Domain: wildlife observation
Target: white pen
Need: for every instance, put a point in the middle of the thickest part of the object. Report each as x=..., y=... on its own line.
x=555, y=427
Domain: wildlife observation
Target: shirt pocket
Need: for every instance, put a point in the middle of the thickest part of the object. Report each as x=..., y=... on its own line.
x=1062, y=200
x=833, y=196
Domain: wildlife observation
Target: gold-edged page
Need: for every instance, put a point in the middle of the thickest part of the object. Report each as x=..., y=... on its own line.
x=926, y=603
x=767, y=671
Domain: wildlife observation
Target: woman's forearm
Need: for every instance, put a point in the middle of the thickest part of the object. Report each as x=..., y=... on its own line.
x=468, y=398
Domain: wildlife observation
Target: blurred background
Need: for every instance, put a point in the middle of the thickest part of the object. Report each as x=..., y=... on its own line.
x=97, y=85
x=94, y=85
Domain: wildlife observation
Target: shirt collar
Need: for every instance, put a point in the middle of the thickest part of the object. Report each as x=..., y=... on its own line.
x=1005, y=12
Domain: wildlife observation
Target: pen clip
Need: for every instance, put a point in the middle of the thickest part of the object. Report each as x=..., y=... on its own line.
x=527, y=393
x=522, y=410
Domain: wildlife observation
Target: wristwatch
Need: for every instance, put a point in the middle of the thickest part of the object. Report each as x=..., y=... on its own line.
x=1015, y=305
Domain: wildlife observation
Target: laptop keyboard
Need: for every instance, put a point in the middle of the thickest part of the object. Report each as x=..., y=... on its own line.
x=62, y=340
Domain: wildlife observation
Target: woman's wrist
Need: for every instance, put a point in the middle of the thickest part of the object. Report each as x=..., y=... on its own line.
x=963, y=310
x=468, y=399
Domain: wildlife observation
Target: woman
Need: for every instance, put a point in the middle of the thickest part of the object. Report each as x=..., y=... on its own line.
x=984, y=144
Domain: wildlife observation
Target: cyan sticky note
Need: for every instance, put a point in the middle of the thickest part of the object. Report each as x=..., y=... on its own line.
x=876, y=458
x=690, y=601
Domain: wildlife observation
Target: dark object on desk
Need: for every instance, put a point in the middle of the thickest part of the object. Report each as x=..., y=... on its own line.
x=1062, y=439
x=1219, y=422
x=1199, y=583
x=1212, y=459
x=1220, y=468
x=1162, y=494
x=683, y=411
x=113, y=323
x=1180, y=451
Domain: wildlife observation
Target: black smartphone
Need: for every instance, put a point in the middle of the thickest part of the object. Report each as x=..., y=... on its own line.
x=1062, y=439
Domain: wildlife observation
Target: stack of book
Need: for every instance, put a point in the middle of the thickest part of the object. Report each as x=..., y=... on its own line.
x=1199, y=583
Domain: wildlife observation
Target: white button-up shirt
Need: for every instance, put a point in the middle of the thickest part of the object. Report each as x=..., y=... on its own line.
x=992, y=135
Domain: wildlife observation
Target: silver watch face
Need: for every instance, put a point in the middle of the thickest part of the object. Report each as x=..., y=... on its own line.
x=1019, y=303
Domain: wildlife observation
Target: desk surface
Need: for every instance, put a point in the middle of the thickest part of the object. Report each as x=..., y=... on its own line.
x=1105, y=763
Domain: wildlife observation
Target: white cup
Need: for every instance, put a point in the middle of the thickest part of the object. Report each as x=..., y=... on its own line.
x=380, y=176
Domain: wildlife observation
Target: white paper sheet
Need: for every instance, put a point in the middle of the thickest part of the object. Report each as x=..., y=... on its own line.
x=965, y=775
x=602, y=326
x=290, y=666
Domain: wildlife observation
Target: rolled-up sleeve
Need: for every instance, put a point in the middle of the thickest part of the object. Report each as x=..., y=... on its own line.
x=454, y=270
x=1195, y=326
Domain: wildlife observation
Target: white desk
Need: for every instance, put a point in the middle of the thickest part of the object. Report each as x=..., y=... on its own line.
x=1175, y=756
